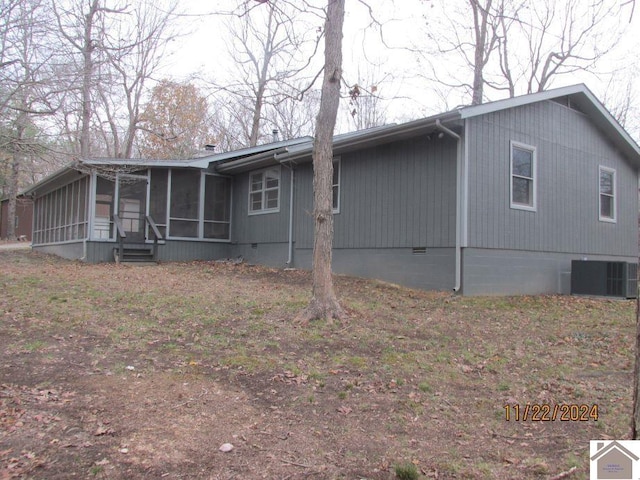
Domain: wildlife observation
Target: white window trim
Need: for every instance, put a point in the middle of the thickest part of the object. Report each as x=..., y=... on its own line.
x=601, y=169
x=337, y=161
x=263, y=210
x=532, y=149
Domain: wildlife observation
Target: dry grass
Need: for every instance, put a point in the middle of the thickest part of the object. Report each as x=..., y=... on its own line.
x=143, y=372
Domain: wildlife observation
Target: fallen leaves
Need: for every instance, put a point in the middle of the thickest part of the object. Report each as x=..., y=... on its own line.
x=103, y=430
x=416, y=376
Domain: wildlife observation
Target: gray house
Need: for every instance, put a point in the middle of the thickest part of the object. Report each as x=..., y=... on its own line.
x=490, y=199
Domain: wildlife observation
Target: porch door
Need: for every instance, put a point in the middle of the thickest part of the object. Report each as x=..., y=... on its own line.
x=132, y=206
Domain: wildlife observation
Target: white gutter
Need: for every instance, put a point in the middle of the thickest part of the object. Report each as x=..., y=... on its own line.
x=459, y=184
x=247, y=161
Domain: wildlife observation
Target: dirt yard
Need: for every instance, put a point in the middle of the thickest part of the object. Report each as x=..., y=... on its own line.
x=118, y=372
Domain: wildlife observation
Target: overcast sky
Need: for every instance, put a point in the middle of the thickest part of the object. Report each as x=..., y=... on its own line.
x=406, y=23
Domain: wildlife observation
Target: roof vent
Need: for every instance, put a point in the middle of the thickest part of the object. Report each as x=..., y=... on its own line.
x=275, y=134
x=210, y=147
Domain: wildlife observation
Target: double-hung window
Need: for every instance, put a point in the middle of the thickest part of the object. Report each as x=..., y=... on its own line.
x=264, y=191
x=607, y=190
x=523, y=176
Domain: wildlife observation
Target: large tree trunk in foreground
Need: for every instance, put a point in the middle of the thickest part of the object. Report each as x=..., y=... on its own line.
x=324, y=304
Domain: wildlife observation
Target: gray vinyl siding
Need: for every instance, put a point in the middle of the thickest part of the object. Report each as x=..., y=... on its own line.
x=399, y=195
x=259, y=228
x=569, y=150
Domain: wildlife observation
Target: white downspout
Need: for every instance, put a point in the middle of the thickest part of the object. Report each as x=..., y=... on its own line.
x=459, y=184
x=290, y=258
x=291, y=185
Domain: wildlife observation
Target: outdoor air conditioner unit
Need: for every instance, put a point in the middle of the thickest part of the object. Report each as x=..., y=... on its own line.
x=613, y=279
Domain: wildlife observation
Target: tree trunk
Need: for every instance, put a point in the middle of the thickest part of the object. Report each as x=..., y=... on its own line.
x=481, y=50
x=14, y=174
x=324, y=303
x=13, y=195
x=87, y=79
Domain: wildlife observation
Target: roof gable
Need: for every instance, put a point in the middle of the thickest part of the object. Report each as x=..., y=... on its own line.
x=614, y=446
x=581, y=99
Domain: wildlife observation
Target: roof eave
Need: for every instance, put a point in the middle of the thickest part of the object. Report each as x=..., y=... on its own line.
x=341, y=144
x=48, y=179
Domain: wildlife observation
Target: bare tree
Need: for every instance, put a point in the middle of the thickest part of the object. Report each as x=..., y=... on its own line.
x=564, y=38
x=471, y=40
x=27, y=85
x=117, y=51
x=485, y=37
x=146, y=33
x=293, y=116
x=521, y=47
x=78, y=26
x=324, y=303
x=270, y=49
x=366, y=106
x=632, y=3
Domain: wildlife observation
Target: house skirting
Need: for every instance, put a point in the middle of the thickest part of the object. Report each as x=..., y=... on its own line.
x=171, y=251
x=266, y=253
x=432, y=270
x=70, y=251
x=520, y=272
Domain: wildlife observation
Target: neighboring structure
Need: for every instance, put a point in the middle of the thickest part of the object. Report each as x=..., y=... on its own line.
x=23, y=219
x=489, y=199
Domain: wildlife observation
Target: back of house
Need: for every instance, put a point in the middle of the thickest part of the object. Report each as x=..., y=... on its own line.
x=491, y=199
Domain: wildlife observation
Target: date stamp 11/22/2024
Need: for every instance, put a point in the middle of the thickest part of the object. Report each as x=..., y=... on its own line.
x=545, y=412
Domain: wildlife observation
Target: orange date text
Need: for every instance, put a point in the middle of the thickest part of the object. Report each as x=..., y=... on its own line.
x=545, y=412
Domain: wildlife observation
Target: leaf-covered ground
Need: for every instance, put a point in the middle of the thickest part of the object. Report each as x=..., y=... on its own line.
x=144, y=372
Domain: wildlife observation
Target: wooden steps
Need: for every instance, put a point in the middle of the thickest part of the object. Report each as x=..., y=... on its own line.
x=137, y=253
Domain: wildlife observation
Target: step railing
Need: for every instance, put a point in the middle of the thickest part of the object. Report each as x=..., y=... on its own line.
x=156, y=235
x=120, y=236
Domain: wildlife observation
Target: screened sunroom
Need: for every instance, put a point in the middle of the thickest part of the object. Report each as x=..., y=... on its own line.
x=155, y=210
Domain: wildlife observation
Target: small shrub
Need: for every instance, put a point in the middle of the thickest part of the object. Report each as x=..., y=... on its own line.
x=425, y=387
x=407, y=471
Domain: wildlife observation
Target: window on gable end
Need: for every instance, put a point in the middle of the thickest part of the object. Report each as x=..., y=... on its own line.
x=607, y=191
x=523, y=177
